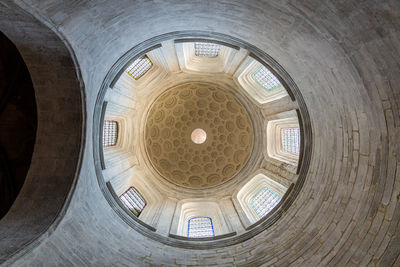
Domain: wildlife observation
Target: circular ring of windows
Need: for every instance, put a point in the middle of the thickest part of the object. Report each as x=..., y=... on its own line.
x=183, y=215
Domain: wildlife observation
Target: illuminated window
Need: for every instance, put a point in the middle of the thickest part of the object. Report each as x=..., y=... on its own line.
x=291, y=140
x=266, y=79
x=264, y=201
x=133, y=200
x=139, y=67
x=200, y=227
x=110, y=133
x=206, y=49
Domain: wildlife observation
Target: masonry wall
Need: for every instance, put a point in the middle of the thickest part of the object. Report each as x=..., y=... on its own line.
x=39, y=205
x=345, y=59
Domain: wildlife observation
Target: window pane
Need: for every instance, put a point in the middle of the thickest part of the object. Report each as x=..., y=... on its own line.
x=139, y=67
x=133, y=200
x=266, y=79
x=291, y=140
x=264, y=201
x=200, y=227
x=110, y=133
x=206, y=49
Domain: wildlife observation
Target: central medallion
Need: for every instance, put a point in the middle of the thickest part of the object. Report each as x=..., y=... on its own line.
x=198, y=135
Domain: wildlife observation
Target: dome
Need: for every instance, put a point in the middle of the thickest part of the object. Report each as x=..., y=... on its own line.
x=318, y=181
x=198, y=141
x=176, y=136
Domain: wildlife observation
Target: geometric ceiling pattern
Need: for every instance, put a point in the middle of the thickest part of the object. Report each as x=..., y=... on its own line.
x=181, y=110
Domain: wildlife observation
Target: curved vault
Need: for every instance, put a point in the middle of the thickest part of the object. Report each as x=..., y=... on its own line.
x=130, y=161
x=176, y=114
x=344, y=56
x=50, y=182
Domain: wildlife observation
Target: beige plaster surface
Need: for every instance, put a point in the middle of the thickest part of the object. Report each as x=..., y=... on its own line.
x=176, y=114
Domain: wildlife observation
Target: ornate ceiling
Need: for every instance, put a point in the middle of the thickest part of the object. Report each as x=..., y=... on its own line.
x=169, y=126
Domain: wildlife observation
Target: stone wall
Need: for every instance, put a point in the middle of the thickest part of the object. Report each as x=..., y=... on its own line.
x=56, y=154
x=344, y=56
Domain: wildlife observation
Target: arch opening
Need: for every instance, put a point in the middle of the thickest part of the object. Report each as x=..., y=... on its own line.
x=46, y=191
x=18, y=123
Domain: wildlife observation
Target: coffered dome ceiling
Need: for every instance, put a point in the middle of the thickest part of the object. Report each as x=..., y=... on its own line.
x=176, y=146
x=341, y=206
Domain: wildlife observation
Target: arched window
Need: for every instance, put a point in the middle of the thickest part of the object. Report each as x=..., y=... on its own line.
x=200, y=227
x=139, y=67
x=290, y=138
x=266, y=79
x=206, y=49
x=264, y=201
x=284, y=139
x=110, y=133
x=133, y=200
